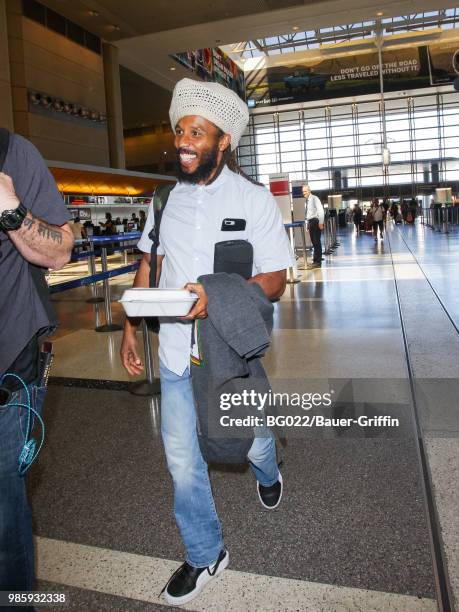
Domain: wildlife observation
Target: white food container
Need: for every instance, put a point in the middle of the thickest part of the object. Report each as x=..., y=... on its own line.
x=157, y=302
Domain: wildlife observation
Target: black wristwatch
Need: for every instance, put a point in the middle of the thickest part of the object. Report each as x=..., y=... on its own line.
x=11, y=220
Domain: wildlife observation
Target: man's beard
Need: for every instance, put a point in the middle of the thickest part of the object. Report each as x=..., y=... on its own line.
x=209, y=163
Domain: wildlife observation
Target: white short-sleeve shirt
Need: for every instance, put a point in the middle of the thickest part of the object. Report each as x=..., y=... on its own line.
x=191, y=226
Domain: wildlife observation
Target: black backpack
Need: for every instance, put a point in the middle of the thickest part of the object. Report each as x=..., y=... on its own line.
x=160, y=197
x=37, y=273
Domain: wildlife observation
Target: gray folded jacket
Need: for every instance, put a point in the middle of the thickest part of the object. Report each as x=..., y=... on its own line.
x=231, y=340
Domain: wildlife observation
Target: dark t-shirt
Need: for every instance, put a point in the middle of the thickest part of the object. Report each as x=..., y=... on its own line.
x=22, y=313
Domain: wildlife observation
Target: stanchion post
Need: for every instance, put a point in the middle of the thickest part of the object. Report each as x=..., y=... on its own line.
x=92, y=270
x=291, y=278
x=446, y=220
x=150, y=386
x=303, y=242
x=109, y=325
x=337, y=243
x=327, y=237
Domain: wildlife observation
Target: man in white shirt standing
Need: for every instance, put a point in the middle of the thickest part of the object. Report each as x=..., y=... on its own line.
x=315, y=224
x=208, y=121
x=378, y=213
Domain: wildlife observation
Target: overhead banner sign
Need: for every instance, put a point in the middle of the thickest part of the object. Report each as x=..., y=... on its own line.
x=353, y=75
x=214, y=65
x=443, y=62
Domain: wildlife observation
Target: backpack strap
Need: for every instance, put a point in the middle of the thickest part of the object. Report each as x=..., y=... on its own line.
x=160, y=198
x=4, y=142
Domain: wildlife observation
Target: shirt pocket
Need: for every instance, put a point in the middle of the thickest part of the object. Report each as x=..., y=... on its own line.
x=233, y=235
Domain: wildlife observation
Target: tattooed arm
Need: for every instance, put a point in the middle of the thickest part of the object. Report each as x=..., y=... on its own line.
x=42, y=244
x=39, y=242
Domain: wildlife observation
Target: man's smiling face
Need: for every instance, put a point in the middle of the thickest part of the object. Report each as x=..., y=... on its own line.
x=199, y=145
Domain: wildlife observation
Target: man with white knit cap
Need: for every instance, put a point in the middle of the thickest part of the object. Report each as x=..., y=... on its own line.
x=208, y=121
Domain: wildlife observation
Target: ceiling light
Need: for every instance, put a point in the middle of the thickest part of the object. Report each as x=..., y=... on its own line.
x=116, y=27
x=295, y=28
x=94, y=13
x=380, y=14
x=172, y=68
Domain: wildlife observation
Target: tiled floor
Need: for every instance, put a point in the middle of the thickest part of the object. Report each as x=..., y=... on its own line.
x=352, y=532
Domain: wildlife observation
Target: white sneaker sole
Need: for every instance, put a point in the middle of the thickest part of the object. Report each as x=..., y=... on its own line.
x=203, y=579
x=280, y=496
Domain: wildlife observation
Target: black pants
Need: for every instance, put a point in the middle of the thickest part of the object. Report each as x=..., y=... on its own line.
x=377, y=224
x=315, y=233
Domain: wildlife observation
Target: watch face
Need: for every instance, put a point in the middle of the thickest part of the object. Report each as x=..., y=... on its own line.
x=11, y=220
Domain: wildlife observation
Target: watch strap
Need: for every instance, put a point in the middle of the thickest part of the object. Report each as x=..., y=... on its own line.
x=22, y=209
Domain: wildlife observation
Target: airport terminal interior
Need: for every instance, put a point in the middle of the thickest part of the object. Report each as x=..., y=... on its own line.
x=357, y=100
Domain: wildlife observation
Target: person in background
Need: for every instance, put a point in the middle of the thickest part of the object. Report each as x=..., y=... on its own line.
x=377, y=212
x=109, y=226
x=315, y=224
x=404, y=208
x=349, y=214
x=413, y=209
x=142, y=220
x=88, y=228
x=77, y=229
x=357, y=215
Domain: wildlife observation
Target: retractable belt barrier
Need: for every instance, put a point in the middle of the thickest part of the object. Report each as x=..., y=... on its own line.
x=442, y=219
x=330, y=235
x=151, y=386
x=94, y=278
x=290, y=229
x=103, y=276
x=331, y=242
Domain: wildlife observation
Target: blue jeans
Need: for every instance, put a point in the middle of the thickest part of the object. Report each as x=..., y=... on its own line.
x=17, y=571
x=194, y=506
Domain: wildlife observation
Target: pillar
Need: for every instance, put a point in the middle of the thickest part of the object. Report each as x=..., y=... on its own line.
x=114, y=106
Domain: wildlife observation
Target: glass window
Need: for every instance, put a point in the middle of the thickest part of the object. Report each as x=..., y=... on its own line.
x=92, y=42
x=56, y=22
x=34, y=10
x=75, y=33
x=351, y=139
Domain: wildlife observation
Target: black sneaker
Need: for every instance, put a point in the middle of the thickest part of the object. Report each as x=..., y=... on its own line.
x=187, y=582
x=270, y=497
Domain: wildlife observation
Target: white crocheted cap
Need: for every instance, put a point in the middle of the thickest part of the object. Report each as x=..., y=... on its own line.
x=214, y=102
